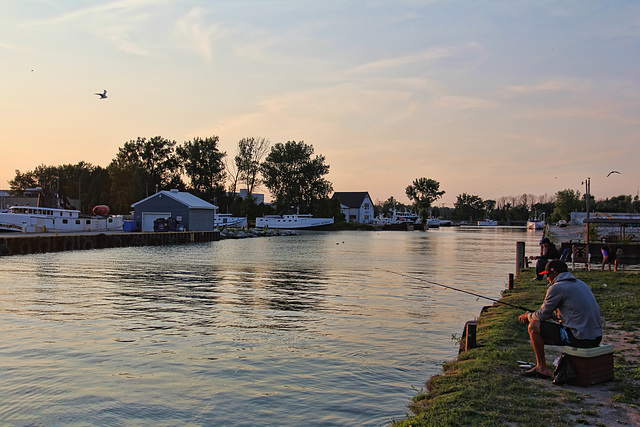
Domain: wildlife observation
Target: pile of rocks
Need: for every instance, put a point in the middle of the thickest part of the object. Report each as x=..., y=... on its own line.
x=239, y=233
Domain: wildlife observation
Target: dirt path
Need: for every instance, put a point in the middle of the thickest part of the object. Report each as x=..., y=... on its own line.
x=595, y=405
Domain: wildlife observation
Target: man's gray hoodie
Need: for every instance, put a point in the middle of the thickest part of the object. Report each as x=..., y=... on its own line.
x=574, y=304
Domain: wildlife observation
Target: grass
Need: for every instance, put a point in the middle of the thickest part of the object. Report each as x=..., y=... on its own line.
x=483, y=386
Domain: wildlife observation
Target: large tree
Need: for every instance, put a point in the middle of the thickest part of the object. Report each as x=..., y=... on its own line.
x=423, y=192
x=251, y=152
x=203, y=164
x=84, y=182
x=141, y=167
x=294, y=177
x=469, y=207
x=567, y=201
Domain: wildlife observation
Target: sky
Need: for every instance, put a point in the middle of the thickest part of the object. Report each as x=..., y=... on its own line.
x=489, y=98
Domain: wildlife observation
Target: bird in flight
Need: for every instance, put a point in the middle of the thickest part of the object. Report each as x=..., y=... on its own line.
x=612, y=172
x=102, y=95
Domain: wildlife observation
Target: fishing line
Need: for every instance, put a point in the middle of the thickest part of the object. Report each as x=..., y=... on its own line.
x=455, y=289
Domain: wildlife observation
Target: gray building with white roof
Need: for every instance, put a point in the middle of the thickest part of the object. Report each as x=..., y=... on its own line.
x=193, y=213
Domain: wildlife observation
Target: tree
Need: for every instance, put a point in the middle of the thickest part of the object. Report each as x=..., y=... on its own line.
x=567, y=201
x=87, y=183
x=22, y=181
x=469, y=207
x=423, y=192
x=294, y=178
x=251, y=151
x=203, y=164
x=141, y=167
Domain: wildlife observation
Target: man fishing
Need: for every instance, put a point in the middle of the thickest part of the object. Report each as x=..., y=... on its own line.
x=569, y=315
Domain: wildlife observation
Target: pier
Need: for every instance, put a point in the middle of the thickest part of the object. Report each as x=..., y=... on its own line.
x=21, y=243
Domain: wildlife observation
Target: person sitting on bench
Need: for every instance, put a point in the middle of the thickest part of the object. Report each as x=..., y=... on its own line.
x=548, y=251
x=569, y=315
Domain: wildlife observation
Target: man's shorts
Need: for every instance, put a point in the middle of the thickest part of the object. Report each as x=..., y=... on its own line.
x=556, y=334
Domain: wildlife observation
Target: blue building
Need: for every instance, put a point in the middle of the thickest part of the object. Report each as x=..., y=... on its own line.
x=193, y=213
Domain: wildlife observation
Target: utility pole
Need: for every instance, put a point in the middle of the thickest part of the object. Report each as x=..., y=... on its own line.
x=587, y=196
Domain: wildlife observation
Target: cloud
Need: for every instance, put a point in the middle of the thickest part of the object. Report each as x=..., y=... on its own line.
x=114, y=22
x=465, y=103
x=424, y=56
x=198, y=32
x=550, y=86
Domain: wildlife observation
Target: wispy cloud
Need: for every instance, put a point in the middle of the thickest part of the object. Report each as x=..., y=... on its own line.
x=97, y=10
x=550, y=86
x=198, y=32
x=424, y=56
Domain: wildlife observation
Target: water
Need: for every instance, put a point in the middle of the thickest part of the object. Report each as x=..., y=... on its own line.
x=268, y=331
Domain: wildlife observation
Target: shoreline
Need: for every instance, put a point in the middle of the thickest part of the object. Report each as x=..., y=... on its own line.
x=484, y=385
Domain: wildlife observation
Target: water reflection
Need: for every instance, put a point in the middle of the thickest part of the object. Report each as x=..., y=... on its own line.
x=301, y=329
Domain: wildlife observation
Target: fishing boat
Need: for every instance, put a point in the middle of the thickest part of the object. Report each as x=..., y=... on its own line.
x=396, y=218
x=295, y=222
x=229, y=221
x=536, y=223
x=29, y=219
x=433, y=223
x=488, y=222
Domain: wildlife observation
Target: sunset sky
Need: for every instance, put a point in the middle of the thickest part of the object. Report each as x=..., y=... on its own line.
x=490, y=98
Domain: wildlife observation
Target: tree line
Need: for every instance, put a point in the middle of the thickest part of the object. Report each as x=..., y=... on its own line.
x=469, y=207
x=291, y=172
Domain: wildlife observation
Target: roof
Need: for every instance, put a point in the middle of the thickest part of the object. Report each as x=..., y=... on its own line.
x=351, y=199
x=187, y=199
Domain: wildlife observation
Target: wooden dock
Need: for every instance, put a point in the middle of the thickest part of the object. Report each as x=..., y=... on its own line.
x=28, y=243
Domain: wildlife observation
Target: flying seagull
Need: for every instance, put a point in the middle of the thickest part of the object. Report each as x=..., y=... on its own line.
x=102, y=95
x=612, y=172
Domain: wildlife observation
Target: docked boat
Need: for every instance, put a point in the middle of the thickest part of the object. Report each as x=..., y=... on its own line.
x=433, y=223
x=29, y=219
x=229, y=221
x=295, y=222
x=488, y=222
x=536, y=223
x=396, y=218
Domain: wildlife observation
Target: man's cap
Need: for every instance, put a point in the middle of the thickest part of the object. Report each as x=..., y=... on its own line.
x=555, y=266
x=545, y=240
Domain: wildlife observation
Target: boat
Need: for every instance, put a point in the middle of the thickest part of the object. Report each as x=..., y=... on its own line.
x=433, y=223
x=536, y=223
x=295, y=222
x=437, y=223
x=30, y=219
x=230, y=221
x=488, y=222
x=401, y=219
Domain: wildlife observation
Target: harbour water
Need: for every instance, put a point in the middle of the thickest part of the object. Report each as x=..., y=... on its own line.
x=297, y=330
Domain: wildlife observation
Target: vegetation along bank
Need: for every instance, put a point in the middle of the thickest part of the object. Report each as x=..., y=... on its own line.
x=483, y=386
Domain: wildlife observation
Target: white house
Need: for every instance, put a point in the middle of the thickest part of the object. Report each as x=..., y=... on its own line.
x=356, y=206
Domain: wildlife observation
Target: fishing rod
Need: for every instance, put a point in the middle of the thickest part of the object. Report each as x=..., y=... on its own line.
x=455, y=289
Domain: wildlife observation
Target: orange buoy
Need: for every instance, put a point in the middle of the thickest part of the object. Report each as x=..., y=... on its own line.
x=101, y=210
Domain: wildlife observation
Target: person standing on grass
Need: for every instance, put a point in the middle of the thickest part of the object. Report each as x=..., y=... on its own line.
x=548, y=251
x=569, y=315
x=608, y=256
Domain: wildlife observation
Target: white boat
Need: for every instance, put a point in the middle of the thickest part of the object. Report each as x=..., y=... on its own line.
x=227, y=220
x=536, y=223
x=433, y=223
x=396, y=218
x=29, y=219
x=295, y=222
x=488, y=222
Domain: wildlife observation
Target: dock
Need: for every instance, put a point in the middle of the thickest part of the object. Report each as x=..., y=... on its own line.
x=29, y=243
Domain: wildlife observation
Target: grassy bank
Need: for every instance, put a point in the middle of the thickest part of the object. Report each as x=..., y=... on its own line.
x=484, y=387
